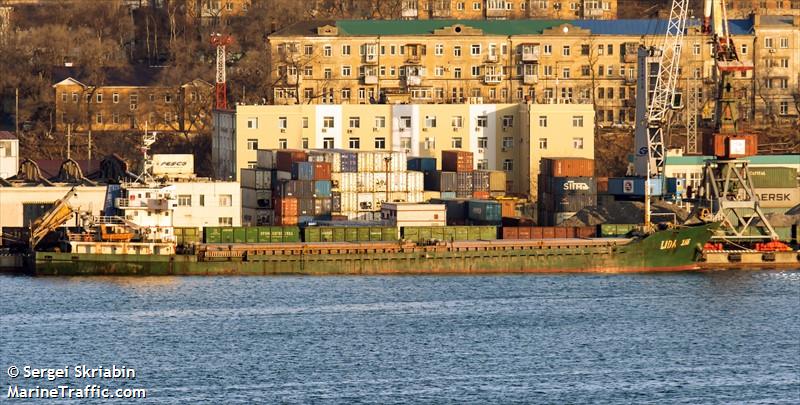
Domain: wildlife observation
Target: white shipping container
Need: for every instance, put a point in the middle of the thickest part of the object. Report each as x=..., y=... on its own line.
x=416, y=197
x=365, y=162
x=349, y=202
x=398, y=196
x=281, y=175
x=378, y=200
x=330, y=156
x=398, y=181
x=256, y=178
x=379, y=181
x=778, y=197
x=365, y=182
x=247, y=178
x=348, y=182
x=415, y=181
x=265, y=158
x=252, y=198
x=336, y=181
x=399, y=159
x=366, y=202
x=429, y=195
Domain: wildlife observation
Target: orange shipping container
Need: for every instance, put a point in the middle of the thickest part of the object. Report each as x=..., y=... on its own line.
x=510, y=232
x=322, y=171
x=285, y=157
x=536, y=232
x=480, y=195
x=457, y=161
x=560, y=232
x=524, y=232
x=548, y=232
x=567, y=167
x=508, y=208
x=286, y=207
x=286, y=220
x=602, y=184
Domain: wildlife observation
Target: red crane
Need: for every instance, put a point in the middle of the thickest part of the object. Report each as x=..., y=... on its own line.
x=220, y=86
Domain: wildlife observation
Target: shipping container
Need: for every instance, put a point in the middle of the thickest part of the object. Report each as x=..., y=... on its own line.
x=303, y=171
x=265, y=159
x=447, y=194
x=286, y=220
x=322, y=189
x=415, y=181
x=285, y=157
x=457, y=161
x=440, y=181
x=286, y=207
x=256, y=179
x=322, y=206
x=773, y=177
x=277, y=176
x=321, y=171
x=567, y=167
x=570, y=185
x=366, y=202
x=481, y=195
x=421, y=164
x=455, y=210
x=497, y=181
x=484, y=211
x=336, y=202
x=251, y=234
x=633, y=186
x=676, y=185
x=464, y=182
x=566, y=203
x=480, y=180
x=778, y=197
x=615, y=230
x=727, y=146
x=212, y=234
x=348, y=161
x=508, y=207
x=226, y=234
x=464, y=194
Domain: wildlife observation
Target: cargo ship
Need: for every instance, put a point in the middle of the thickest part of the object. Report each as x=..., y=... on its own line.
x=675, y=249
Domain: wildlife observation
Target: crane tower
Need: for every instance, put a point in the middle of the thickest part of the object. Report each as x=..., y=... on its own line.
x=221, y=41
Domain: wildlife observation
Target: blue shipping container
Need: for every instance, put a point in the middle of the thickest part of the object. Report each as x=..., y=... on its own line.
x=421, y=164
x=348, y=162
x=633, y=186
x=322, y=188
x=484, y=211
x=305, y=219
x=303, y=171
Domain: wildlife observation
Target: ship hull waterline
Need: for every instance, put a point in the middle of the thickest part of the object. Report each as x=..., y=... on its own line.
x=672, y=250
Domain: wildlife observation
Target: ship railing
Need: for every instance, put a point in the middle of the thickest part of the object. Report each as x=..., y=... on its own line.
x=109, y=220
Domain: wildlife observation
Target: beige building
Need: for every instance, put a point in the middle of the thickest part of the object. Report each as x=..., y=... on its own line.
x=546, y=61
x=508, y=137
x=508, y=9
x=745, y=8
x=776, y=90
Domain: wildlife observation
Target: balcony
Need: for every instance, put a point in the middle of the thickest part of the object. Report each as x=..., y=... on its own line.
x=530, y=53
x=371, y=58
x=492, y=58
x=497, y=12
x=149, y=203
x=493, y=78
x=371, y=79
x=413, y=81
x=292, y=80
x=593, y=13
x=441, y=11
x=530, y=79
x=408, y=12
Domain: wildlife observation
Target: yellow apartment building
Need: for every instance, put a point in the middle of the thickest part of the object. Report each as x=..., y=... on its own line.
x=509, y=137
x=545, y=61
x=745, y=8
x=128, y=100
x=508, y=9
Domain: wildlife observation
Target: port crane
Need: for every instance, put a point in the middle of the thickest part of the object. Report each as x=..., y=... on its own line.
x=656, y=99
x=727, y=189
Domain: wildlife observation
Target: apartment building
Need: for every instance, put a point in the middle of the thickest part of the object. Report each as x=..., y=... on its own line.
x=216, y=10
x=509, y=137
x=451, y=61
x=745, y=8
x=129, y=99
x=776, y=92
x=508, y=9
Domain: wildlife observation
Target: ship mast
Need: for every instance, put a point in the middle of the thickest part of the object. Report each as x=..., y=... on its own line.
x=148, y=139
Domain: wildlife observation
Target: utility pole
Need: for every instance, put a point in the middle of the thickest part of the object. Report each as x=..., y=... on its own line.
x=90, y=144
x=69, y=139
x=16, y=112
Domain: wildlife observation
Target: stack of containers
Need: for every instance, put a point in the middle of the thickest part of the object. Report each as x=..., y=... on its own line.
x=566, y=185
x=777, y=188
x=256, y=187
x=457, y=179
x=362, y=181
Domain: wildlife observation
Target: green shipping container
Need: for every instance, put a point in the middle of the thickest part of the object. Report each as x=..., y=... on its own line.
x=212, y=234
x=312, y=234
x=448, y=233
x=351, y=234
x=424, y=233
x=375, y=234
x=389, y=234
x=474, y=232
x=251, y=234
x=488, y=233
x=226, y=235
x=462, y=233
x=773, y=177
x=264, y=234
x=614, y=230
x=437, y=232
x=326, y=234
x=411, y=233
x=363, y=234
x=275, y=234
x=339, y=234
x=291, y=234
x=239, y=234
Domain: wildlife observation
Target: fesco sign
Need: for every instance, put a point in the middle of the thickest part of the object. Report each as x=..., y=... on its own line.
x=173, y=164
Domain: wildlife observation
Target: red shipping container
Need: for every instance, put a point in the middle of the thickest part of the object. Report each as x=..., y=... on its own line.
x=524, y=232
x=536, y=232
x=322, y=171
x=602, y=184
x=729, y=146
x=586, y=232
x=457, y=161
x=548, y=232
x=480, y=195
x=510, y=233
x=560, y=232
x=567, y=167
x=572, y=232
x=285, y=157
x=286, y=206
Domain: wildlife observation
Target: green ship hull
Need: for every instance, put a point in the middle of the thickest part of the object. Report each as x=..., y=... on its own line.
x=670, y=250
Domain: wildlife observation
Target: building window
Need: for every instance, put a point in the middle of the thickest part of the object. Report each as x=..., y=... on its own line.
x=438, y=50
x=565, y=50
x=457, y=72
x=768, y=42
x=345, y=71
x=345, y=94
x=405, y=143
x=327, y=51
x=784, y=42
x=476, y=71
x=565, y=73
x=405, y=122
x=508, y=165
x=168, y=98
x=225, y=200
x=252, y=144
x=328, y=122
x=283, y=143
x=508, y=142
x=547, y=49
x=184, y=200
x=457, y=51
x=327, y=143
x=577, y=143
x=225, y=221
x=542, y=143
x=134, y=101
x=476, y=5
x=99, y=98
x=283, y=122
x=99, y=118
x=784, y=108
x=355, y=122
x=577, y=121
x=380, y=122
x=328, y=73
x=475, y=49
x=203, y=196
x=543, y=121
x=354, y=143
x=508, y=121
x=345, y=49
x=744, y=49
x=483, y=121
x=430, y=121
x=483, y=164
x=455, y=143
x=305, y=122
x=457, y=121
x=308, y=50
x=252, y=123
x=380, y=143
x=483, y=142
x=115, y=118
